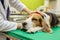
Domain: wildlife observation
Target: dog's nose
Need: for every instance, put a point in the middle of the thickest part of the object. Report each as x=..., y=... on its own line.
x=24, y=24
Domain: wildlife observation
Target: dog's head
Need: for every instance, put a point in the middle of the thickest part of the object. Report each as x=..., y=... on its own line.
x=33, y=20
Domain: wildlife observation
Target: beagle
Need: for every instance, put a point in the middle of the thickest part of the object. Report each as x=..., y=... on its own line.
x=36, y=22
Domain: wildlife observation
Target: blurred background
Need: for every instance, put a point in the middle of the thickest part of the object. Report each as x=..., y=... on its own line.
x=44, y=5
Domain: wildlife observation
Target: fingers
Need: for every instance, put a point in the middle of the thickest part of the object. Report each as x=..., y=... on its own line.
x=20, y=26
x=41, y=13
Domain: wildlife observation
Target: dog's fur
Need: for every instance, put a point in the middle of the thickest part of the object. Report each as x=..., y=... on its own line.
x=36, y=22
x=54, y=19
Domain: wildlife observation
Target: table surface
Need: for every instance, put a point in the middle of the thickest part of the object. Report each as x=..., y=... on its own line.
x=36, y=36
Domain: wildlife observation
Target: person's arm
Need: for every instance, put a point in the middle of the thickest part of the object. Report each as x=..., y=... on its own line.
x=27, y=10
x=7, y=25
x=19, y=6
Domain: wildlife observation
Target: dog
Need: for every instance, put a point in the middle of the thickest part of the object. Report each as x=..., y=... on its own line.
x=36, y=22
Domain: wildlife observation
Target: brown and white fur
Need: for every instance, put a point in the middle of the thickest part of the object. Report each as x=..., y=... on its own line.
x=36, y=22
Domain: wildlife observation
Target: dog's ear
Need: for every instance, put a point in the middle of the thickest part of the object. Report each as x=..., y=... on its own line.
x=45, y=28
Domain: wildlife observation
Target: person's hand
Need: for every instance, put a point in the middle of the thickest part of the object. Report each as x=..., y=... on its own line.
x=41, y=13
x=19, y=25
x=29, y=11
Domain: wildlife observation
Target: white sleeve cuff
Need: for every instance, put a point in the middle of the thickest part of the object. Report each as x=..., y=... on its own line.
x=12, y=27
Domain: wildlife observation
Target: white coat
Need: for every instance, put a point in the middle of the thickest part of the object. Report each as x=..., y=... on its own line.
x=5, y=25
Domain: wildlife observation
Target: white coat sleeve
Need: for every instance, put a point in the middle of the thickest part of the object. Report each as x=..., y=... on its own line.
x=6, y=25
x=17, y=4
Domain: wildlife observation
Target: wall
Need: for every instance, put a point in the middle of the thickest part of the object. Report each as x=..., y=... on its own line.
x=52, y=3
x=33, y=4
x=58, y=7
x=46, y=2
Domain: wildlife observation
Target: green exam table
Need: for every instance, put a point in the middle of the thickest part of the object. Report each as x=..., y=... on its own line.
x=36, y=36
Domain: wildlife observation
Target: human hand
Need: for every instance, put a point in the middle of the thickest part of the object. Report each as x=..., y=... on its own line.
x=41, y=13
x=34, y=11
x=19, y=25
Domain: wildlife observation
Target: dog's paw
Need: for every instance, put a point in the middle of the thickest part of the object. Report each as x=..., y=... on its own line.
x=30, y=30
x=36, y=29
x=50, y=31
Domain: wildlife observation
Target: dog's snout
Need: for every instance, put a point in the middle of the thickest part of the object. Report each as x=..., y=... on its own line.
x=24, y=23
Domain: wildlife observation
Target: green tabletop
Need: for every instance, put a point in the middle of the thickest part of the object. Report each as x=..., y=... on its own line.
x=36, y=36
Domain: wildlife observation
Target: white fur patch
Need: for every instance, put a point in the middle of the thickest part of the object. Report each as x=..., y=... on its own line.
x=29, y=23
x=34, y=29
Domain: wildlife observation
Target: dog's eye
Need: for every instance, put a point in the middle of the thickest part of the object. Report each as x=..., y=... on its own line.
x=34, y=19
x=40, y=20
